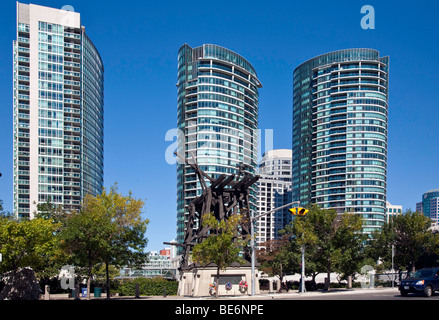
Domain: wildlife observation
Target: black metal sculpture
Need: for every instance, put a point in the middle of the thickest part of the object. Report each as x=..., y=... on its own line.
x=226, y=196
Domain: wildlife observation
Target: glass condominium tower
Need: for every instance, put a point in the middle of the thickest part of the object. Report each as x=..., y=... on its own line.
x=340, y=112
x=58, y=110
x=217, y=119
x=429, y=205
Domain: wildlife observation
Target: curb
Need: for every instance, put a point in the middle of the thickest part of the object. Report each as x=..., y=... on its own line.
x=313, y=293
x=267, y=296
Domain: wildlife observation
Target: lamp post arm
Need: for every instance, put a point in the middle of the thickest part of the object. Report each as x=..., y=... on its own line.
x=276, y=209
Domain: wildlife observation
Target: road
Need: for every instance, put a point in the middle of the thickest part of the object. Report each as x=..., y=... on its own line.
x=367, y=294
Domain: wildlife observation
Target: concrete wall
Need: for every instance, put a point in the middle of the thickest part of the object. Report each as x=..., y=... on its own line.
x=196, y=282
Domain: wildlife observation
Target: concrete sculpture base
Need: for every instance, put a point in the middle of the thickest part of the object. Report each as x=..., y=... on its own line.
x=195, y=282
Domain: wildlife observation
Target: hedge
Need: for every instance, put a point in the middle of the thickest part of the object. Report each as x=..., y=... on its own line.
x=147, y=287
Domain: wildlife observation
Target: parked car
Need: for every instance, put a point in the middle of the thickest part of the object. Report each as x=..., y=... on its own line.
x=424, y=281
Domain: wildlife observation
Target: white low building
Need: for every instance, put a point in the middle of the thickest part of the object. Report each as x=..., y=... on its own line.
x=392, y=210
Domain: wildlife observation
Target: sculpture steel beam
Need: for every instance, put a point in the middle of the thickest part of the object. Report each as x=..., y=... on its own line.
x=225, y=196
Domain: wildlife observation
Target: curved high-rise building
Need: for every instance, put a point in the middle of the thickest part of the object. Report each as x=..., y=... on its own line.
x=58, y=110
x=217, y=118
x=429, y=205
x=340, y=113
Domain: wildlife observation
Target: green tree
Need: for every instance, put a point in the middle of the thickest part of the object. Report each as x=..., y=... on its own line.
x=50, y=211
x=276, y=257
x=102, y=273
x=413, y=242
x=108, y=229
x=223, y=246
x=126, y=241
x=302, y=237
x=30, y=243
x=84, y=236
x=350, y=240
x=332, y=242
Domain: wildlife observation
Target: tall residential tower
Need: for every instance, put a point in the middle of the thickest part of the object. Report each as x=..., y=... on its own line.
x=217, y=119
x=58, y=110
x=340, y=115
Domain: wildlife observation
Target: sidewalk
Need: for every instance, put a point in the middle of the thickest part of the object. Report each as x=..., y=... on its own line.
x=262, y=296
x=295, y=293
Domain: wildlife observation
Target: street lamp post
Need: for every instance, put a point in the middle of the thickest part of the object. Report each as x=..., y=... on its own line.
x=253, y=256
x=302, y=278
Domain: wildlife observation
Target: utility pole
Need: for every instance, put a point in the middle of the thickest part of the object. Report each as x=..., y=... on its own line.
x=302, y=279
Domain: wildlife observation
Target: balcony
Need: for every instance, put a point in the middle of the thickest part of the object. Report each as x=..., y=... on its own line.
x=70, y=110
x=23, y=78
x=72, y=35
x=72, y=101
x=23, y=116
x=23, y=49
x=72, y=193
x=23, y=39
x=71, y=138
x=72, y=166
x=23, y=59
x=72, y=129
x=72, y=46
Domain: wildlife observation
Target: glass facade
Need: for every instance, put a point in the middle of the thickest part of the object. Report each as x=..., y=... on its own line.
x=217, y=118
x=274, y=190
x=430, y=205
x=21, y=85
x=58, y=113
x=340, y=112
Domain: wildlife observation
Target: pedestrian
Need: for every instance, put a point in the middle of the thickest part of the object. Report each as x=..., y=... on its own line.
x=280, y=284
x=284, y=282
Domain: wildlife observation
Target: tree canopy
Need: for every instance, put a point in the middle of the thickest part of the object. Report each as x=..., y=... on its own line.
x=224, y=244
x=108, y=229
x=414, y=243
x=30, y=243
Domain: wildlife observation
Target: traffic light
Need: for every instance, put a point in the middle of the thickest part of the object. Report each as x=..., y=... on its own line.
x=298, y=211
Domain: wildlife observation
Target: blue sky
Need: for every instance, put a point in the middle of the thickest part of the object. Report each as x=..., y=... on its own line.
x=139, y=41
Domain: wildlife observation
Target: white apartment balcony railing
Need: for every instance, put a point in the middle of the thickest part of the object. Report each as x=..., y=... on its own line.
x=72, y=83
x=22, y=39
x=69, y=110
x=23, y=49
x=72, y=101
x=23, y=78
x=72, y=193
x=71, y=73
x=23, y=59
x=72, y=35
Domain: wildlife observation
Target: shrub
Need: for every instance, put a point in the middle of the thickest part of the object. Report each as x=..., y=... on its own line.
x=147, y=287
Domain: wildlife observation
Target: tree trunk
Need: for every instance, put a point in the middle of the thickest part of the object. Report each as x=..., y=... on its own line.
x=108, y=280
x=313, y=280
x=88, y=287
x=77, y=289
x=329, y=275
x=89, y=277
x=280, y=278
x=217, y=281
